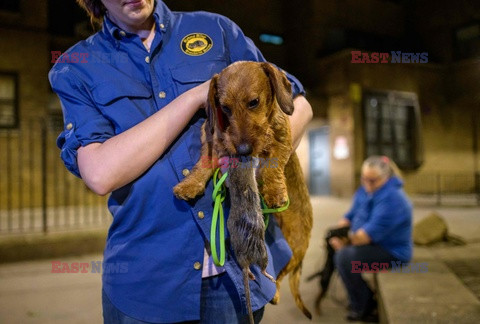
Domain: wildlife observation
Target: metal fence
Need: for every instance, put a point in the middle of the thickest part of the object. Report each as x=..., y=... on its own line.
x=37, y=194
x=455, y=189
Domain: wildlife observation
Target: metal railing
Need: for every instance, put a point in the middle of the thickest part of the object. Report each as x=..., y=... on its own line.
x=37, y=193
x=441, y=189
x=455, y=189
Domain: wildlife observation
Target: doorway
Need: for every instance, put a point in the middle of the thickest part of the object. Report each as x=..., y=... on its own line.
x=319, y=182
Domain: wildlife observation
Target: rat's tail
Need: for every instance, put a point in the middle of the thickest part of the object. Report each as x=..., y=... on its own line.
x=247, y=294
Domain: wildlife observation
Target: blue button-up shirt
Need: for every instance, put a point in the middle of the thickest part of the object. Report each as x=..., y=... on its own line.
x=156, y=241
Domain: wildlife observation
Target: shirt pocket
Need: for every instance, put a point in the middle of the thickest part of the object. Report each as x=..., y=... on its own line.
x=187, y=76
x=124, y=102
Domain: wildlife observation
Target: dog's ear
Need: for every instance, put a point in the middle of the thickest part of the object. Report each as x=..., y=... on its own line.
x=281, y=87
x=212, y=105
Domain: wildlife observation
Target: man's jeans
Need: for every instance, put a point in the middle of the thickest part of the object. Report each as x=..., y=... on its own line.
x=360, y=295
x=219, y=304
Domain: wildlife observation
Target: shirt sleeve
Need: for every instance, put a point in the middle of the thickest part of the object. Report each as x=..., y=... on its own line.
x=242, y=48
x=83, y=122
x=349, y=215
x=383, y=220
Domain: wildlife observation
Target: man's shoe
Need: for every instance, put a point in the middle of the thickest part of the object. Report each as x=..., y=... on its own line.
x=370, y=318
x=356, y=317
x=353, y=316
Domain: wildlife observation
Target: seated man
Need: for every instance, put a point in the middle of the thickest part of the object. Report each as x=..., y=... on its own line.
x=380, y=223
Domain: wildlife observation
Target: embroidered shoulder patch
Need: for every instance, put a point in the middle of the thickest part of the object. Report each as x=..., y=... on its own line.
x=196, y=44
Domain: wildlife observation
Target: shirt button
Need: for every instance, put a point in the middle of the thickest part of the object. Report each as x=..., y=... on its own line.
x=200, y=214
x=122, y=33
x=162, y=26
x=197, y=265
x=185, y=172
x=147, y=59
x=69, y=126
x=162, y=94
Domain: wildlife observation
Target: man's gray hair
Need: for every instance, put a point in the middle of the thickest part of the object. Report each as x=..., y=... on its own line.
x=383, y=164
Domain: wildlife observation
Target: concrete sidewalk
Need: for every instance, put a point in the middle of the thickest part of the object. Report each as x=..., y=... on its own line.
x=31, y=293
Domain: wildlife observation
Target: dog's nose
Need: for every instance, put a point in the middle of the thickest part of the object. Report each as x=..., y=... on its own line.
x=244, y=149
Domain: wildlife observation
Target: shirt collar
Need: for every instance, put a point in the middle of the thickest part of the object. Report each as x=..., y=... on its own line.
x=161, y=14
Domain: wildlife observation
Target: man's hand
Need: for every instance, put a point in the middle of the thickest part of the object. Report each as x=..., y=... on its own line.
x=360, y=237
x=337, y=243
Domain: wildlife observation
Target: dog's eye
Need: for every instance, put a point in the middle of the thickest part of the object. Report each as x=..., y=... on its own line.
x=226, y=111
x=253, y=104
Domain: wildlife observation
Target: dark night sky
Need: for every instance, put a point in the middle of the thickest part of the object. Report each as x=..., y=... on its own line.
x=63, y=16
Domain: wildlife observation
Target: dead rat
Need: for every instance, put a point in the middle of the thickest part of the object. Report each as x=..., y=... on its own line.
x=246, y=224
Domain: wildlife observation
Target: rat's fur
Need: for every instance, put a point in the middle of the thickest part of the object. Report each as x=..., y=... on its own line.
x=246, y=225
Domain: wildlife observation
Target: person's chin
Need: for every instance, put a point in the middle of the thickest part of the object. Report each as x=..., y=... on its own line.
x=137, y=9
x=137, y=18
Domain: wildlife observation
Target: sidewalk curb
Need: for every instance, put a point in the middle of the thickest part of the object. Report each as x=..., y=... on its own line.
x=51, y=245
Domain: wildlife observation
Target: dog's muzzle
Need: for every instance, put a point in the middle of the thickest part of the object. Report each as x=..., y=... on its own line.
x=244, y=149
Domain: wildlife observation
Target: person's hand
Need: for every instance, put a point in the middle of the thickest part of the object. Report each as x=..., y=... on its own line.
x=337, y=243
x=343, y=222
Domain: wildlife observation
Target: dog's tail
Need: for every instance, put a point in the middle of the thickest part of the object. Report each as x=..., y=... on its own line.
x=294, y=281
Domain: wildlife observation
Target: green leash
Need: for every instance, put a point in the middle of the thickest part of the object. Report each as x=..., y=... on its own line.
x=267, y=211
x=218, y=196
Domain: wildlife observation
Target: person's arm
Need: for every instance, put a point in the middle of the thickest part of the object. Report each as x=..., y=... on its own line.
x=359, y=237
x=348, y=217
x=122, y=158
x=385, y=217
x=302, y=115
x=343, y=222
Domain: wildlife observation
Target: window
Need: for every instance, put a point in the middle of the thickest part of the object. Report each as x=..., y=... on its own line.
x=392, y=127
x=467, y=41
x=8, y=101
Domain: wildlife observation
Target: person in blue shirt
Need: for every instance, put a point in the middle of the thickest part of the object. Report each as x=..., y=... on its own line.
x=380, y=221
x=133, y=109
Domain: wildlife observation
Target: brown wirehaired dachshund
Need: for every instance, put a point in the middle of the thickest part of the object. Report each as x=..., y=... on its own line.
x=247, y=115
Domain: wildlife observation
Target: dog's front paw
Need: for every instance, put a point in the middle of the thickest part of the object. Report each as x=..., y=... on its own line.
x=275, y=197
x=188, y=190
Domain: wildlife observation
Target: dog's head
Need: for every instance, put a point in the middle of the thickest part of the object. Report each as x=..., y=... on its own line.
x=242, y=102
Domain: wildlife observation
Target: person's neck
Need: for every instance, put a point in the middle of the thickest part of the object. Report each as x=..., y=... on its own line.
x=147, y=36
x=146, y=31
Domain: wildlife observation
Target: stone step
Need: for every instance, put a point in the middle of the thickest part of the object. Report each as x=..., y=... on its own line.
x=434, y=296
